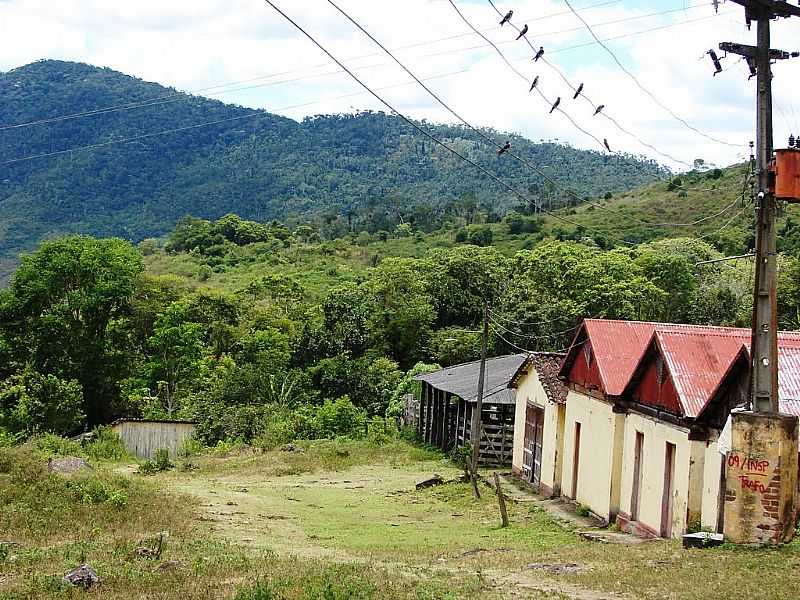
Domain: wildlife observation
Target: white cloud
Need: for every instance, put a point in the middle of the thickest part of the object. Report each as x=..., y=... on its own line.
x=193, y=45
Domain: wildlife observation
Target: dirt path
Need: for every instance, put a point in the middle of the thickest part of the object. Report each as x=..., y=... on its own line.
x=367, y=513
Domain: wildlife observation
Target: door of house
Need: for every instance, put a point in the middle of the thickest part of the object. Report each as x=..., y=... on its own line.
x=532, y=448
x=636, y=491
x=666, y=499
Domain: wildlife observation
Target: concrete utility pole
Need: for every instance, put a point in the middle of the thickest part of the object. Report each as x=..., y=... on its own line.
x=764, y=346
x=477, y=422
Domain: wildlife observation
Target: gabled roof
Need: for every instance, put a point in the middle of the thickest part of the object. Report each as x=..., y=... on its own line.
x=462, y=380
x=698, y=360
x=617, y=346
x=697, y=356
x=547, y=366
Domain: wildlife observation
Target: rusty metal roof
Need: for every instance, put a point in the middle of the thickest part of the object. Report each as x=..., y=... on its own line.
x=462, y=380
x=546, y=365
x=789, y=379
x=699, y=357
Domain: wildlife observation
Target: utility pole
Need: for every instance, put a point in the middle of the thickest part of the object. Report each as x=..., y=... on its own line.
x=764, y=344
x=477, y=422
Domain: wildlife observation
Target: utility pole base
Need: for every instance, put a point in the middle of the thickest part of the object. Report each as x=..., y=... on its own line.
x=761, y=479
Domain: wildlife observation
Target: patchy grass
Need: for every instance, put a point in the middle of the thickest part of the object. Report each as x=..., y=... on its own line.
x=312, y=456
x=337, y=520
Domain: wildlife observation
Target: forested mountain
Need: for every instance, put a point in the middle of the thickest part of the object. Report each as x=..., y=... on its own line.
x=253, y=163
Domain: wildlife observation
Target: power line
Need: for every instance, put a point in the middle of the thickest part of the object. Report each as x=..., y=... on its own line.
x=427, y=134
x=641, y=86
x=436, y=96
x=177, y=96
x=520, y=75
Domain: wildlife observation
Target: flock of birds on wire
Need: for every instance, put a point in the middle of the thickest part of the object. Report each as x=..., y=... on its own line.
x=539, y=54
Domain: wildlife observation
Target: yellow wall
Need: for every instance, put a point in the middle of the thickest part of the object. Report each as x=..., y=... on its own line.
x=143, y=438
x=596, y=459
x=656, y=436
x=711, y=481
x=530, y=389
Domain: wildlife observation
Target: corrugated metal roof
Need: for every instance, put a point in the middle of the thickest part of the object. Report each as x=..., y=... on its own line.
x=462, y=380
x=697, y=360
x=699, y=357
x=789, y=379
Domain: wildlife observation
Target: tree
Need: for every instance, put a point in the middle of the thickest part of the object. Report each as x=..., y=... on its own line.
x=34, y=403
x=176, y=351
x=402, y=313
x=65, y=314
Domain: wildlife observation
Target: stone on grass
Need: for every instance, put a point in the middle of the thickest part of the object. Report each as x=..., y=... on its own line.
x=82, y=577
x=66, y=465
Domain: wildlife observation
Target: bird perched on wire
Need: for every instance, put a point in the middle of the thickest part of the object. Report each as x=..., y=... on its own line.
x=535, y=83
x=555, y=105
x=506, y=147
x=523, y=31
x=578, y=92
x=539, y=54
x=507, y=18
x=605, y=143
x=598, y=109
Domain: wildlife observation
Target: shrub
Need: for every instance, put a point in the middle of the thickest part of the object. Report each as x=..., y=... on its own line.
x=35, y=403
x=106, y=445
x=480, y=235
x=160, y=462
x=334, y=418
x=461, y=236
x=55, y=445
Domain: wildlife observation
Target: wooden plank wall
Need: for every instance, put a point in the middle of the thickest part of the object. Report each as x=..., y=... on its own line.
x=445, y=422
x=142, y=438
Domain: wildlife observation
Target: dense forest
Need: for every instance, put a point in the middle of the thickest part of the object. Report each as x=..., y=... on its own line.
x=265, y=333
x=252, y=163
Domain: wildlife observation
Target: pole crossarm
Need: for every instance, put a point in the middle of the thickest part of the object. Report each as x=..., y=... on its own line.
x=776, y=8
x=752, y=51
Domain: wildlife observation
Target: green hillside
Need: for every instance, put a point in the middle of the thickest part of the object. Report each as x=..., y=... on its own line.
x=258, y=165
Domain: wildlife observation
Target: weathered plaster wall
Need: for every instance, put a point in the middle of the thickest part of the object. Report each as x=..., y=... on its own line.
x=530, y=389
x=656, y=436
x=711, y=482
x=596, y=457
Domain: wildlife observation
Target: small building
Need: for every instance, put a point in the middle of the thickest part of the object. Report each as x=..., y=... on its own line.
x=540, y=407
x=143, y=437
x=447, y=401
x=596, y=370
x=677, y=402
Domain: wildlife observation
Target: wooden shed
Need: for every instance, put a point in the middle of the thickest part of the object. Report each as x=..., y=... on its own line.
x=143, y=437
x=448, y=399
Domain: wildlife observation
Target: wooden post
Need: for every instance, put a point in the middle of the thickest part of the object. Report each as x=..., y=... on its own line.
x=475, y=430
x=501, y=500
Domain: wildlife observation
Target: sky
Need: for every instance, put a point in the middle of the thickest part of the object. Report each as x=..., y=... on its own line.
x=243, y=52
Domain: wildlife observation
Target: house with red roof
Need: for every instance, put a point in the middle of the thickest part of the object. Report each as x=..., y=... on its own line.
x=635, y=438
x=677, y=401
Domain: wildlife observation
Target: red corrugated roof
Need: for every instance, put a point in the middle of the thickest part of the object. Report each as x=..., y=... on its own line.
x=697, y=357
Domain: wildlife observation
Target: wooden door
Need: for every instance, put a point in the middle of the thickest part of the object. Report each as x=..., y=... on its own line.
x=636, y=492
x=666, y=498
x=532, y=445
x=576, y=460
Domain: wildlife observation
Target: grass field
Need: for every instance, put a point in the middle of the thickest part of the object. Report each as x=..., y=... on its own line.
x=331, y=520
